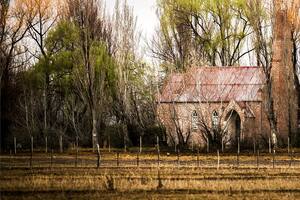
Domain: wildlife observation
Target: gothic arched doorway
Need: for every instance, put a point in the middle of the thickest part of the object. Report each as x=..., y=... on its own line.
x=232, y=126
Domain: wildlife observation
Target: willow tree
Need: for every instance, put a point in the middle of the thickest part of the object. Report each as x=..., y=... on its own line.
x=202, y=32
x=173, y=46
x=95, y=64
x=125, y=41
x=132, y=94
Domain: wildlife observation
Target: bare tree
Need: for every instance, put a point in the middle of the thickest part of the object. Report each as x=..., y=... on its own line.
x=94, y=29
x=40, y=18
x=12, y=30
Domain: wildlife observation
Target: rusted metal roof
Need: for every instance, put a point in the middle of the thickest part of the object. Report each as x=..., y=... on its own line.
x=214, y=84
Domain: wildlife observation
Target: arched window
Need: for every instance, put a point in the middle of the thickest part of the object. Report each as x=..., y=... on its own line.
x=215, y=120
x=194, y=120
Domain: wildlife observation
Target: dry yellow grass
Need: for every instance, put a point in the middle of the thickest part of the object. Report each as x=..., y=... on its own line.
x=232, y=183
x=148, y=181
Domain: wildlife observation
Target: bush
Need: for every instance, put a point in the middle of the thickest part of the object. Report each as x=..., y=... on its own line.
x=149, y=137
x=115, y=134
x=296, y=142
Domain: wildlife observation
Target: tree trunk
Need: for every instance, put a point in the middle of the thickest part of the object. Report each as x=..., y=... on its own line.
x=45, y=109
x=282, y=76
x=94, y=129
x=270, y=109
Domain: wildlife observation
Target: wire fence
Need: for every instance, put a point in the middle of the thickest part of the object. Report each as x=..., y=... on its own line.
x=118, y=158
x=147, y=157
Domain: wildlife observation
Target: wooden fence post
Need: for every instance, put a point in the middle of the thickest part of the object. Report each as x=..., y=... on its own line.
x=207, y=145
x=238, y=145
x=218, y=154
x=270, y=151
x=15, y=145
x=141, y=144
x=157, y=142
x=109, y=144
x=158, y=156
x=159, y=185
x=192, y=145
x=51, y=158
x=288, y=144
x=198, y=161
x=31, y=156
x=291, y=158
x=76, y=159
x=118, y=155
x=238, y=160
x=178, y=160
x=238, y=152
x=257, y=159
x=273, y=158
x=137, y=160
x=10, y=158
x=125, y=144
x=46, y=144
x=60, y=144
x=222, y=143
x=254, y=146
x=98, y=156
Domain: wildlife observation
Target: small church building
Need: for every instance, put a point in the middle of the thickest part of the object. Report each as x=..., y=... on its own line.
x=210, y=103
x=204, y=101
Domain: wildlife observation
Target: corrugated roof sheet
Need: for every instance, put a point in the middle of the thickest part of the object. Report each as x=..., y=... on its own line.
x=211, y=84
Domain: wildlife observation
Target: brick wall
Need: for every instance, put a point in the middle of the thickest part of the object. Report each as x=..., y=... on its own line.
x=253, y=128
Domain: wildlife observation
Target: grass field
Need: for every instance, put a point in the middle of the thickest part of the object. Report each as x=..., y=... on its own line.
x=193, y=176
